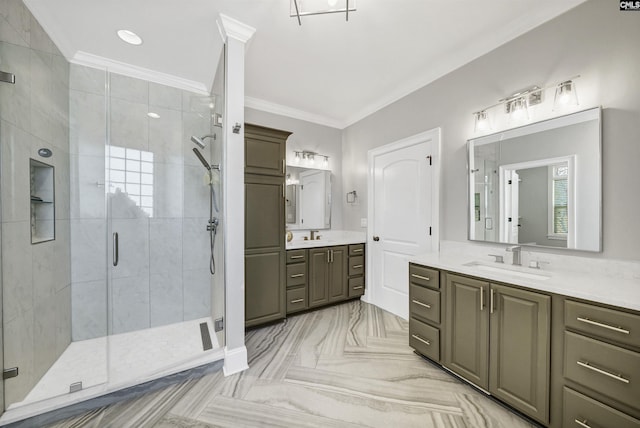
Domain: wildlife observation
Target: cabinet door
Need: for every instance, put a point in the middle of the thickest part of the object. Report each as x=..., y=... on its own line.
x=520, y=343
x=264, y=150
x=467, y=329
x=338, y=275
x=264, y=250
x=318, y=276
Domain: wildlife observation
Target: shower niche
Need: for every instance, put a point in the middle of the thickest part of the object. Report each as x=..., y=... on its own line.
x=42, y=201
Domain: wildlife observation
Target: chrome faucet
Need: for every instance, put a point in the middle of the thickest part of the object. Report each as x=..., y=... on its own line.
x=516, y=250
x=313, y=234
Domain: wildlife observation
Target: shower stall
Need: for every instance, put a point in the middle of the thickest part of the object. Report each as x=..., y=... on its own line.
x=112, y=273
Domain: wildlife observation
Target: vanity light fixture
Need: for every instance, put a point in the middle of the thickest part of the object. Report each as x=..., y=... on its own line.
x=300, y=8
x=130, y=37
x=309, y=158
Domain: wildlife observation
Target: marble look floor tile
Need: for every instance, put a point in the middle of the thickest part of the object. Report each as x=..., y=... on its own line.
x=173, y=421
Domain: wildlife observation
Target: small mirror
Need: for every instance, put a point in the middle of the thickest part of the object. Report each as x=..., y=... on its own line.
x=539, y=184
x=308, y=198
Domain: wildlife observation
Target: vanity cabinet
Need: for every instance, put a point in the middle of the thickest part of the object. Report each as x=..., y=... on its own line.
x=356, y=270
x=498, y=337
x=424, y=311
x=601, y=366
x=264, y=225
x=328, y=275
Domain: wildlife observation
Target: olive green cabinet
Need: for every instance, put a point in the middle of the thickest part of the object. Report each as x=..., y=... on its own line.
x=328, y=275
x=498, y=337
x=424, y=311
x=265, y=280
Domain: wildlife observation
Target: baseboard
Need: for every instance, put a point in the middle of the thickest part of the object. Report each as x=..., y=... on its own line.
x=235, y=360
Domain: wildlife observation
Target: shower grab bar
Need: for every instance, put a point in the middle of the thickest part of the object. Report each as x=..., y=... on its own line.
x=115, y=248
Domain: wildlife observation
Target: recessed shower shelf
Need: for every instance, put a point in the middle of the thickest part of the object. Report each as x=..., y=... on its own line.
x=42, y=202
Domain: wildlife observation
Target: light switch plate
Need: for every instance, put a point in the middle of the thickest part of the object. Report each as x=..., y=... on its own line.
x=363, y=222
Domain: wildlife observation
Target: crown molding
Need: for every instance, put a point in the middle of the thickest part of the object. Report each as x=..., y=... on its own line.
x=102, y=63
x=230, y=27
x=279, y=109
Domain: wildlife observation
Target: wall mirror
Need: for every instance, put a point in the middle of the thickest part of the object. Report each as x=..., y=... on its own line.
x=308, y=198
x=539, y=184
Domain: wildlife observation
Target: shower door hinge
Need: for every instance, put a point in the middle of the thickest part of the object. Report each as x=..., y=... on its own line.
x=7, y=77
x=9, y=373
x=218, y=325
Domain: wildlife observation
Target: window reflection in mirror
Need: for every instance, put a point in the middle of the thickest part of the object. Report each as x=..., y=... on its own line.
x=539, y=184
x=308, y=198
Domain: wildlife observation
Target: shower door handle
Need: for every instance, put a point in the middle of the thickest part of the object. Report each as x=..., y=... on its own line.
x=115, y=248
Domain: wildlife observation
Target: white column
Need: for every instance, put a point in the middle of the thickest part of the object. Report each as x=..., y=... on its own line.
x=236, y=35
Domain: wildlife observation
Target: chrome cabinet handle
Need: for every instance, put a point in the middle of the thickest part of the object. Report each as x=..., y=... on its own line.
x=599, y=324
x=115, y=249
x=331, y=256
x=298, y=275
x=588, y=365
x=284, y=166
x=426, y=342
x=417, y=302
x=583, y=424
x=357, y=250
x=297, y=301
x=481, y=298
x=424, y=278
x=357, y=266
x=296, y=257
x=358, y=287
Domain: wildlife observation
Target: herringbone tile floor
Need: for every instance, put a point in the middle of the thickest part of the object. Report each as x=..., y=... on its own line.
x=344, y=366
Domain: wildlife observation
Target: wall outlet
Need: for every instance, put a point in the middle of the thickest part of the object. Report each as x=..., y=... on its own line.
x=363, y=222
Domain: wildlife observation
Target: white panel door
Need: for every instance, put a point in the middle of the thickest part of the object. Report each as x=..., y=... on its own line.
x=403, y=215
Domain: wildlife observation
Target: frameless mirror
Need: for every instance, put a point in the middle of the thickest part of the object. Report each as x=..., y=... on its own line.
x=539, y=185
x=308, y=198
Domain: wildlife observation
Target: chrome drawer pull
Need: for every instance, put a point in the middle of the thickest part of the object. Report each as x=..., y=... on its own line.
x=421, y=304
x=297, y=257
x=358, y=287
x=420, y=277
x=357, y=266
x=358, y=250
x=298, y=275
x=599, y=324
x=586, y=365
x=426, y=342
x=583, y=424
x=297, y=301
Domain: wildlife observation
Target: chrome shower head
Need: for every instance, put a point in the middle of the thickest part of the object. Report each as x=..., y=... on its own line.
x=202, y=159
x=200, y=140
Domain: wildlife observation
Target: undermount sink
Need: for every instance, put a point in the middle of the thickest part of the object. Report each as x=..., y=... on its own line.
x=507, y=271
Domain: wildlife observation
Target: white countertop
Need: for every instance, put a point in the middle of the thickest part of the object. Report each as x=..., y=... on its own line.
x=328, y=238
x=618, y=289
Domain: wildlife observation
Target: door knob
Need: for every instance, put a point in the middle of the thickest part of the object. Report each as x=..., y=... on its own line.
x=376, y=238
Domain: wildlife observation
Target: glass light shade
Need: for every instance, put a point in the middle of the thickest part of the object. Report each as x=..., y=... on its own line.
x=566, y=95
x=518, y=110
x=316, y=7
x=482, y=122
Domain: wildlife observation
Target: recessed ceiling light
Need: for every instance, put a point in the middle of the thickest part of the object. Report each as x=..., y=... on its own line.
x=130, y=37
x=153, y=115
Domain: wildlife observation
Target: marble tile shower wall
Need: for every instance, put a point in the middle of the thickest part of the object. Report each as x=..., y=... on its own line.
x=162, y=276
x=34, y=113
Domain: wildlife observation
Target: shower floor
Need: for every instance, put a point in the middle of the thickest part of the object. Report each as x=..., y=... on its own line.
x=123, y=359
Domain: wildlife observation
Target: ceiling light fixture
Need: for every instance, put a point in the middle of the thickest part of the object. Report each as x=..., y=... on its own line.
x=300, y=8
x=130, y=37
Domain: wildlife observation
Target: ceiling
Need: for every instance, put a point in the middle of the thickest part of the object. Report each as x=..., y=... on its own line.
x=327, y=71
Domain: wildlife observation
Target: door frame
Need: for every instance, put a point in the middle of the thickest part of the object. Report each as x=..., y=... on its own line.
x=433, y=135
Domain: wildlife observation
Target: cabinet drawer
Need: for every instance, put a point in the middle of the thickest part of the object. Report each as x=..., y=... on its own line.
x=426, y=277
x=296, y=299
x=611, y=324
x=356, y=249
x=296, y=256
x=356, y=286
x=424, y=339
x=296, y=274
x=356, y=265
x=424, y=303
x=580, y=411
x=608, y=369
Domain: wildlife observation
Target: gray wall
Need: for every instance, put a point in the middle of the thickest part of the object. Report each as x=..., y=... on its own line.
x=595, y=40
x=317, y=138
x=36, y=279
